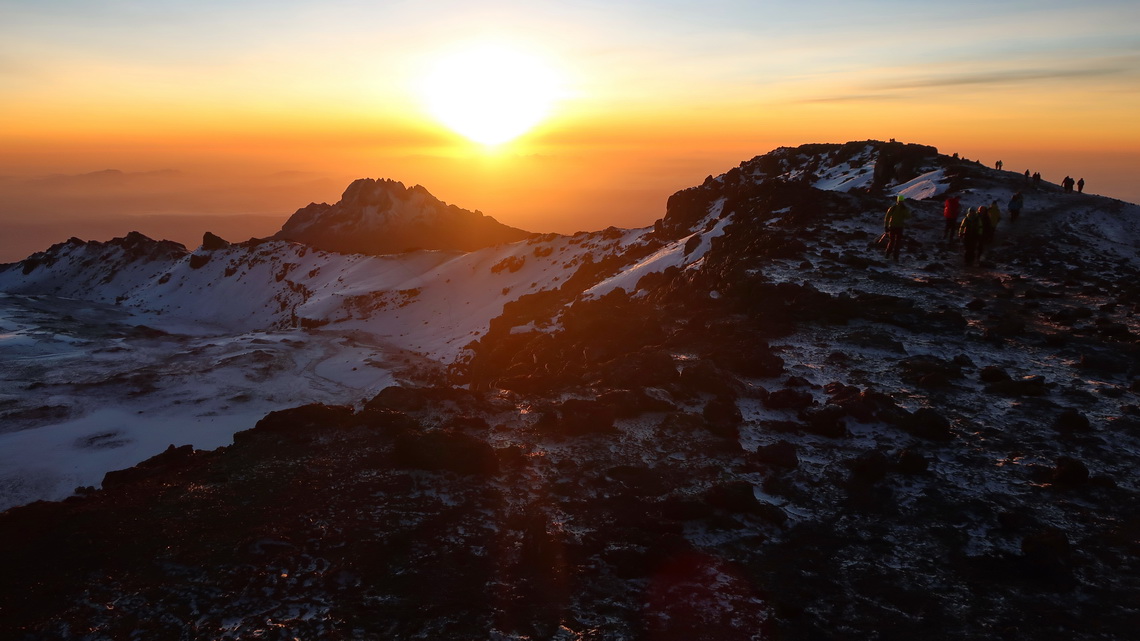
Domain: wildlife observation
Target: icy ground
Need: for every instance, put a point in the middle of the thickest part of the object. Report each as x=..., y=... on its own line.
x=111, y=388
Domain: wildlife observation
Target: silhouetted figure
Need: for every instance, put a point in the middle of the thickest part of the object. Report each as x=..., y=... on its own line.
x=1027, y=178
x=950, y=210
x=1015, y=205
x=993, y=215
x=1081, y=186
x=1036, y=179
x=1067, y=183
x=893, y=224
x=972, y=232
x=998, y=165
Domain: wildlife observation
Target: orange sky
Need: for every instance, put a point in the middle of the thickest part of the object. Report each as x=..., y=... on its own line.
x=260, y=108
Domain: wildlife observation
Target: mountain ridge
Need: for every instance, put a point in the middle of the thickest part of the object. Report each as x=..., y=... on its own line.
x=384, y=217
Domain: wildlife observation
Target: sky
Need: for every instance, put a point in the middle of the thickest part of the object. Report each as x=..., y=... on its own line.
x=240, y=112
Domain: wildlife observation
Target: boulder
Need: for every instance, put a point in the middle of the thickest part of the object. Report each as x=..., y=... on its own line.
x=1069, y=472
x=739, y=497
x=723, y=417
x=929, y=424
x=170, y=459
x=579, y=417
x=630, y=403
x=926, y=367
x=825, y=421
x=704, y=376
x=297, y=423
x=444, y=450
x=1033, y=385
x=912, y=462
x=869, y=467
x=786, y=398
x=649, y=368
x=780, y=454
x=210, y=242
x=993, y=374
x=754, y=360
x=1070, y=421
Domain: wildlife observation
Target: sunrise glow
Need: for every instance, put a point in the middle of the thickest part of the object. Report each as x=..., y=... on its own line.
x=553, y=117
x=490, y=93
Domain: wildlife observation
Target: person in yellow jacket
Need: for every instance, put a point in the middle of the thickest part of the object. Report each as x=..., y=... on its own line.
x=893, y=224
x=972, y=232
x=993, y=214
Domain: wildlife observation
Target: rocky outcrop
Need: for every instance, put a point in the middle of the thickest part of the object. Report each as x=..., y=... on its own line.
x=384, y=217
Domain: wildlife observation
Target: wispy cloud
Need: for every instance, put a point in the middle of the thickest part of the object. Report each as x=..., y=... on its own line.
x=909, y=83
x=1003, y=77
x=850, y=98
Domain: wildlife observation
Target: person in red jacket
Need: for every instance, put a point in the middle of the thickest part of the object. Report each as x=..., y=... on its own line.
x=950, y=210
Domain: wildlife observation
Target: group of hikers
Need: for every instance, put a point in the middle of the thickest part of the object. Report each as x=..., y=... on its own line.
x=975, y=229
x=1068, y=183
x=1035, y=179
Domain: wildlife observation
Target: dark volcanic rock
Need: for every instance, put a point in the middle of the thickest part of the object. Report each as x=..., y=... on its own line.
x=994, y=374
x=650, y=368
x=1033, y=385
x=171, y=459
x=789, y=399
x=929, y=424
x=739, y=497
x=723, y=416
x=753, y=360
x=825, y=421
x=912, y=462
x=780, y=454
x=703, y=376
x=577, y=417
x=296, y=424
x=445, y=450
x=210, y=242
x=869, y=467
x=1071, y=421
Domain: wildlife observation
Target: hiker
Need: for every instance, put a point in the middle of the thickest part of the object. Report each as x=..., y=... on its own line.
x=994, y=215
x=893, y=226
x=998, y=165
x=972, y=232
x=1081, y=186
x=1036, y=179
x=1015, y=205
x=950, y=211
x=987, y=231
x=1067, y=183
x=1027, y=176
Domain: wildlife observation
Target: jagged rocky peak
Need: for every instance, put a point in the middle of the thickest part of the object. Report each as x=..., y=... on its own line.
x=789, y=177
x=211, y=242
x=384, y=217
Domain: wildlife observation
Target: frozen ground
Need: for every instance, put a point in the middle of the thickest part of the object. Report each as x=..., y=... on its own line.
x=90, y=388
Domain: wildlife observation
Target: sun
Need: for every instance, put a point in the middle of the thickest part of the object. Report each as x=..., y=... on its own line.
x=490, y=93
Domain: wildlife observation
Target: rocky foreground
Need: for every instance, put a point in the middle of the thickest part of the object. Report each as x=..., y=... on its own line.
x=793, y=439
